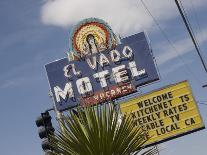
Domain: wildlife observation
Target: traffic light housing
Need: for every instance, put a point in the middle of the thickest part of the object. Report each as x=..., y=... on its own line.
x=45, y=130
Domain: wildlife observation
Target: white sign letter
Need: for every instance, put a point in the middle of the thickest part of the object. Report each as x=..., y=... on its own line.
x=68, y=91
x=103, y=60
x=120, y=74
x=92, y=65
x=115, y=56
x=134, y=71
x=84, y=85
x=127, y=52
x=133, y=68
x=101, y=76
x=67, y=69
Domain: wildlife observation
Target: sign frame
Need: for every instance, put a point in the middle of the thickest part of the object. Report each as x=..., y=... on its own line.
x=139, y=41
x=178, y=134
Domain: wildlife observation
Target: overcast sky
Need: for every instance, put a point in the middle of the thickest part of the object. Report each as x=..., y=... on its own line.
x=34, y=33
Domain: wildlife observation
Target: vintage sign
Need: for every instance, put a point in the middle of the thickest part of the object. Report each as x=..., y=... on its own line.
x=90, y=36
x=166, y=113
x=102, y=76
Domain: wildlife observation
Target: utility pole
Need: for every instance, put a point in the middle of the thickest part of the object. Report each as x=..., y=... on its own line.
x=191, y=34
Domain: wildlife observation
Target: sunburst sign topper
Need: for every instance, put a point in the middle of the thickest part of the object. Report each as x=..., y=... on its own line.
x=91, y=36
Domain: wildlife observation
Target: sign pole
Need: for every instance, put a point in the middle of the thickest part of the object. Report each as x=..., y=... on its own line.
x=158, y=152
x=59, y=115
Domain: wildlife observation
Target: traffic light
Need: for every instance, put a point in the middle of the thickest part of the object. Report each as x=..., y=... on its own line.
x=45, y=129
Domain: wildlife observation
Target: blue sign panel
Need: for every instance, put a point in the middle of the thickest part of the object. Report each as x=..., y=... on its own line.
x=104, y=75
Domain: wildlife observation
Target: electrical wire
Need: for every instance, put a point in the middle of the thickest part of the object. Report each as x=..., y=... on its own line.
x=197, y=23
x=190, y=26
x=170, y=43
x=202, y=102
x=189, y=29
x=196, y=20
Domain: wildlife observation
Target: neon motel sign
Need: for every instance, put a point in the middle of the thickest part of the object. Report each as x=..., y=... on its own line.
x=101, y=76
x=119, y=74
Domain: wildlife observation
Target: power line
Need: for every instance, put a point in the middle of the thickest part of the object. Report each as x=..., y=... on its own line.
x=196, y=19
x=203, y=103
x=190, y=31
x=170, y=43
x=193, y=10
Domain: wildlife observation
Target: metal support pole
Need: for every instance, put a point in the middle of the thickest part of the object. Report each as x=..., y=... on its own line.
x=158, y=152
x=60, y=120
x=59, y=115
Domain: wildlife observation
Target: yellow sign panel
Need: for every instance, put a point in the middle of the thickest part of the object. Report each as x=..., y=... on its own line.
x=165, y=113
